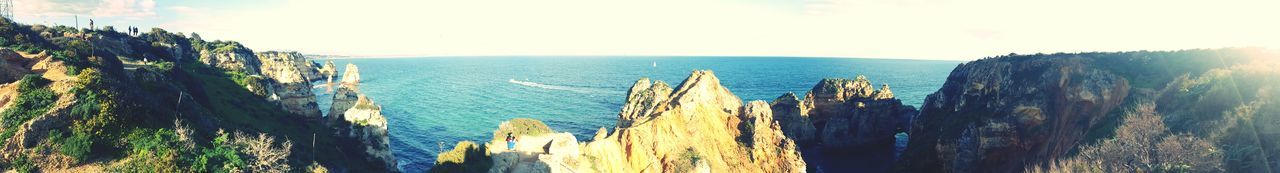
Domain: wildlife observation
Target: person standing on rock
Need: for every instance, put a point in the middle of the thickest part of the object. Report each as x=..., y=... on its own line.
x=511, y=142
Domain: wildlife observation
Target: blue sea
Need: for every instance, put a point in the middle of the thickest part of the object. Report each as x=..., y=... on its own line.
x=434, y=102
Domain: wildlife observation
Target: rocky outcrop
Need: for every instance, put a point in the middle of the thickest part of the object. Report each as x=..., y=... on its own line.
x=294, y=90
x=13, y=66
x=982, y=118
x=346, y=94
x=308, y=71
x=793, y=117
x=232, y=58
x=1010, y=113
x=843, y=114
x=651, y=96
x=328, y=71
x=367, y=125
x=358, y=119
x=698, y=127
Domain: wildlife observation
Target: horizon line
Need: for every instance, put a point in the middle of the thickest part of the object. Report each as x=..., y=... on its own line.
x=327, y=56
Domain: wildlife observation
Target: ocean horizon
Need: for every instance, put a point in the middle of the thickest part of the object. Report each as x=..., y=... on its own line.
x=433, y=102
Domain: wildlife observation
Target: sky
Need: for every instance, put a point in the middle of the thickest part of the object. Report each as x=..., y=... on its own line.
x=911, y=29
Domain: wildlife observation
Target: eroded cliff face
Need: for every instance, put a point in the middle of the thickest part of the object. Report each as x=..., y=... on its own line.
x=998, y=115
x=293, y=75
x=242, y=60
x=346, y=94
x=1012, y=113
x=697, y=127
x=793, y=116
x=29, y=133
x=357, y=119
x=843, y=115
x=329, y=70
x=292, y=60
x=14, y=66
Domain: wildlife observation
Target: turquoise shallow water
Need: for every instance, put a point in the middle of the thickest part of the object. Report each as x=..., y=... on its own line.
x=429, y=101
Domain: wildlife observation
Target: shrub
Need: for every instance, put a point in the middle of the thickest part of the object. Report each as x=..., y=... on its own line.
x=220, y=157
x=688, y=160
x=520, y=126
x=33, y=100
x=77, y=146
x=262, y=155
x=466, y=156
x=23, y=164
x=156, y=150
x=1141, y=144
x=315, y=167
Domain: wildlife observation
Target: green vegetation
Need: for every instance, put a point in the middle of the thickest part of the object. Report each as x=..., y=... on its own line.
x=520, y=126
x=125, y=118
x=688, y=160
x=466, y=156
x=1143, y=143
x=33, y=100
x=221, y=153
x=77, y=145
x=23, y=164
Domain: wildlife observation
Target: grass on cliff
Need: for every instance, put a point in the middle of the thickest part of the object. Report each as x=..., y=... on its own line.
x=34, y=99
x=225, y=98
x=520, y=126
x=467, y=156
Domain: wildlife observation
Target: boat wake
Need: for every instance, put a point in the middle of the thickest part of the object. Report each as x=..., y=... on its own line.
x=551, y=87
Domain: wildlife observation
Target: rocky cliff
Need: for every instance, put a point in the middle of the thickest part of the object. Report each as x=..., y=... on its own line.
x=843, y=115
x=232, y=58
x=291, y=60
x=328, y=71
x=98, y=100
x=293, y=74
x=697, y=127
x=1011, y=113
x=356, y=118
x=346, y=94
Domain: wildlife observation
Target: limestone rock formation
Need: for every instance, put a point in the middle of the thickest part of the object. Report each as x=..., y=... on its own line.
x=346, y=94
x=982, y=119
x=654, y=94
x=357, y=118
x=699, y=123
x=294, y=90
x=308, y=71
x=792, y=115
x=698, y=127
x=367, y=125
x=329, y=70
x=237, y=59
x=843, y=114
x=351, y=76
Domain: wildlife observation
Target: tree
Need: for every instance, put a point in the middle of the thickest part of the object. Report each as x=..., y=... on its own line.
x=1143, y=144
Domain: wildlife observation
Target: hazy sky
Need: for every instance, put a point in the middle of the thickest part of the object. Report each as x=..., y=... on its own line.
x=920, y=29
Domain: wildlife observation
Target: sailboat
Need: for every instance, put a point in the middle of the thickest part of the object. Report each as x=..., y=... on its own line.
x=655, y=64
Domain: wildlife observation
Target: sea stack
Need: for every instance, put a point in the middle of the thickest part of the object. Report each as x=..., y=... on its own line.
x=355, y=117
x=843, y=115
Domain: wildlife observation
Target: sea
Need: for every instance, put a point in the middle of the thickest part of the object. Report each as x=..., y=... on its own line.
x=431, y=103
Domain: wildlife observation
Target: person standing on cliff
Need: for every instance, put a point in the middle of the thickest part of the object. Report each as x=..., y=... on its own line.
x=511, y=142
